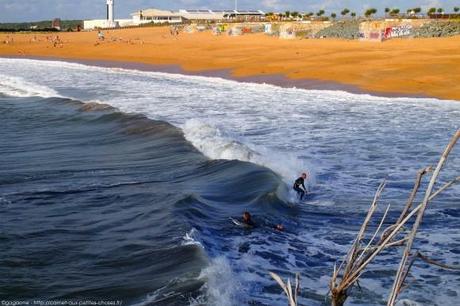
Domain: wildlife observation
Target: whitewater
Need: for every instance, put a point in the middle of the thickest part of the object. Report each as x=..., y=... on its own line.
x=348, y=143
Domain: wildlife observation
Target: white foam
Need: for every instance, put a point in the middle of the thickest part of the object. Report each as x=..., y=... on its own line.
x=214, y=143
x=218, y=80
x=406, y=302
x=190, y=238
x=18, y=87
x=221, y=285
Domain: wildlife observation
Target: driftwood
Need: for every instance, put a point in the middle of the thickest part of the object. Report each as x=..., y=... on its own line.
x=361, y=254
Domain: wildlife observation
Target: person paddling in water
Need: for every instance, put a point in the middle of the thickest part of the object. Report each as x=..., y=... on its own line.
x=249, y=223
x=247, y=220
x=300, y=182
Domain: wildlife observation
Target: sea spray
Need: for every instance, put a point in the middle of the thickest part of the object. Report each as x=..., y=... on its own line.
x=215, y=144
x=221, y=284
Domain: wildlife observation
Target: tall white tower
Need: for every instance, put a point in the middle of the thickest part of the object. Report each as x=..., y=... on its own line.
x=110, y=19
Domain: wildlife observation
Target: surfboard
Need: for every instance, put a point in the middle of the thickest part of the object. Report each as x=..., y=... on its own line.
x=241, y=224
x=236, y=222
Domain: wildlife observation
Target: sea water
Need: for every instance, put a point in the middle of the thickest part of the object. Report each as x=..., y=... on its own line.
x=119, y=184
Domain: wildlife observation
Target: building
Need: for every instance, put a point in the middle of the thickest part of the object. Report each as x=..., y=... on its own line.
x=167, y=16
x=109, y=22
x=56, y=24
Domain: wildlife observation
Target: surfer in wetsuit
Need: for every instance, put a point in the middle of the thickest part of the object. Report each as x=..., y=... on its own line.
x=248, y=223
x=300, y=182
x=247, y=220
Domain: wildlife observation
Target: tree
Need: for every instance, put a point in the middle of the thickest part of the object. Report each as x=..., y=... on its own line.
x=432, y=10
x=417, y=10
x=287, y=14
x=440, y=10
x=345, y=11
x=353, y=14
x=394, y=12
x=320, y=13
x=456, y=9
x=387, y=10
x=295, y=14
x=333, y=15
x=369, y=12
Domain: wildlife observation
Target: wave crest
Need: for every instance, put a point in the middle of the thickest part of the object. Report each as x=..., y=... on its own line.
x=215, y=144
x=18, y=87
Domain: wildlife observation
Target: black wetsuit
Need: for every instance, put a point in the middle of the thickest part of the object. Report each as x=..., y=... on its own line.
x=249, y=223
x=300, y=182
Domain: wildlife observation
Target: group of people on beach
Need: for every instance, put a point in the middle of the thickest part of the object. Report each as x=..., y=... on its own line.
x=298, y=186
x=9, y=40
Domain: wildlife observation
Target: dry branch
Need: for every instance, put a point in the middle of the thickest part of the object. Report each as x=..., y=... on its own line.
x=287, y=288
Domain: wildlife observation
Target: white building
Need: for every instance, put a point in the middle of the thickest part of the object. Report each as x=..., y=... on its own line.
x=166, y=16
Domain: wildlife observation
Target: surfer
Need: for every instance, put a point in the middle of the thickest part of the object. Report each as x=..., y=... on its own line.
x=247, y=220
x=298, y=183
x=248, y=223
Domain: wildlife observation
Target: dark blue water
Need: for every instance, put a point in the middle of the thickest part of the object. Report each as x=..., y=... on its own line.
x=95, y=203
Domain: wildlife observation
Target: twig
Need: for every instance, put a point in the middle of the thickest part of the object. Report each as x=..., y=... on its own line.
x=454, y=181
x=375, y=234
x=411, y=199
x=437, y=263
x=352, y=255
x=409, y=202
x=287, y=288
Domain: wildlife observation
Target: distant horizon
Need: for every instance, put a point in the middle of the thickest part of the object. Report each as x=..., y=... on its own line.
x=15, y=11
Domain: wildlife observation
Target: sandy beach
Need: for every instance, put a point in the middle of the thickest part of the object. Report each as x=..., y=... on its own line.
x=425, y=67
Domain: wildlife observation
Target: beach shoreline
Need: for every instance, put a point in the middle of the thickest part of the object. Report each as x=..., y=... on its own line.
x=278, y=80
x=398, y=68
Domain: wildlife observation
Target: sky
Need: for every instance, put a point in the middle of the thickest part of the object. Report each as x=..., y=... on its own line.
x=35, y=10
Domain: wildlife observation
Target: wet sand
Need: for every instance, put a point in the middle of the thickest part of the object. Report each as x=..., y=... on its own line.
x=410, y=67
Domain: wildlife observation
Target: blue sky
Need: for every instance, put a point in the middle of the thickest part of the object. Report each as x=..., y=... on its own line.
x=33, y=10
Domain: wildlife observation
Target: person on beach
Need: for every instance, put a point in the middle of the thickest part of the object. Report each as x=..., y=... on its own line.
x=100, y=35
x=300, y=182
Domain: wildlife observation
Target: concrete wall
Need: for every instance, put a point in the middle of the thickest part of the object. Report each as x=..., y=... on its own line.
x=380, y=30
x=293, y=30
x=99, y=23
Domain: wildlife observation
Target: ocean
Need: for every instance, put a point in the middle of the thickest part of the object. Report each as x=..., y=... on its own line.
x=118, y=184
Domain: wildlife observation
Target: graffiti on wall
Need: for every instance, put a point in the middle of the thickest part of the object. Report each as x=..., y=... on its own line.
x=399, y=31
x=374, y=35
